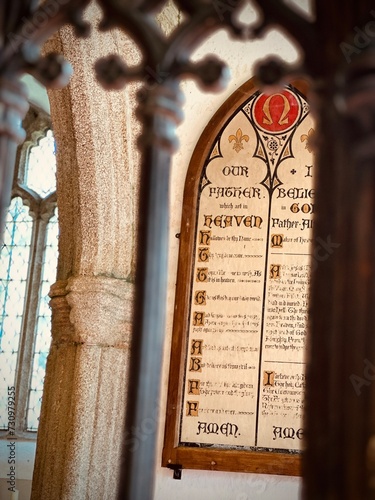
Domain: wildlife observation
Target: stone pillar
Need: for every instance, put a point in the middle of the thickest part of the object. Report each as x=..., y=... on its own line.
x=84, y=401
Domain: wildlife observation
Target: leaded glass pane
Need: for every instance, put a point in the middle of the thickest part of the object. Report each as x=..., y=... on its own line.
x=40, y=172
x=14, y=263
x=43, y=326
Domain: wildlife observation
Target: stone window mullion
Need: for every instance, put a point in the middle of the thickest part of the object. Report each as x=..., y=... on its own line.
x=31, y=307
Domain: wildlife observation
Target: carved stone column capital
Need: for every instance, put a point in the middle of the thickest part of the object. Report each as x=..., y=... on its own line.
x=92, y=311
x=100, y=310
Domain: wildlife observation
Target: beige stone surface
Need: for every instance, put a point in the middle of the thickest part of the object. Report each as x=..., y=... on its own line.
x=85, y=397
x=84, y=402
x=100, y=310
x=97, y=159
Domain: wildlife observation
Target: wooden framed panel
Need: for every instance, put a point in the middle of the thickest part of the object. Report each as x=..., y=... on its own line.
x=236, y=385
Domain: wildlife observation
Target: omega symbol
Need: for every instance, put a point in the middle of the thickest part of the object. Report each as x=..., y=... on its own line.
x=283, y=120
x=276, y=112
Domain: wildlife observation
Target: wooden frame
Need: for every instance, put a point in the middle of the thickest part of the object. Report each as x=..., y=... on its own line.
x=209, y=458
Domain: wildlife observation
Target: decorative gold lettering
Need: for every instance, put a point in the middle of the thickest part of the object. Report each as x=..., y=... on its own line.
x=194, y=386
x=192, y=408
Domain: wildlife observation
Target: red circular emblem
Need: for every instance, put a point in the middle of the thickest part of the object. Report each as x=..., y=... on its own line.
x=276, y=112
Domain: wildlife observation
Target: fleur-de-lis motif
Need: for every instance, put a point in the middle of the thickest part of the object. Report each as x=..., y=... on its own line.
x=309, y=138
x=238, y=139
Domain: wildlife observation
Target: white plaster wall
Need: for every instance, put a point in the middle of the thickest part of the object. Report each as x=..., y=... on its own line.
x=198, y=109
x=225, y=486
x=37, y=94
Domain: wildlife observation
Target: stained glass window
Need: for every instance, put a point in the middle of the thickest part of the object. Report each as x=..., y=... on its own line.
x=28, y=260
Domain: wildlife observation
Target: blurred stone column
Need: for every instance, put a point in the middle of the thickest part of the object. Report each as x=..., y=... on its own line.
x=84, y=401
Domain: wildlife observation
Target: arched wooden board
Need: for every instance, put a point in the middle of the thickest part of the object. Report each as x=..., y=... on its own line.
x=235, y=397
